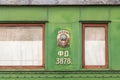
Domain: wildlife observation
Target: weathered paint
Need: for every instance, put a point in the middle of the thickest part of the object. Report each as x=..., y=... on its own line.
x=58, y=2
x=67, y=18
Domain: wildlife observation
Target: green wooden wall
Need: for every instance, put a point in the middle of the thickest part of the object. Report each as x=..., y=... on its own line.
x=67, y=18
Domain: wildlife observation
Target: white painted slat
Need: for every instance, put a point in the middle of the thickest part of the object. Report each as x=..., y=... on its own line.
x=21, y=53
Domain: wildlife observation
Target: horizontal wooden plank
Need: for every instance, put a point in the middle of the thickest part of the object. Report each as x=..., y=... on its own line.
x=58, y=2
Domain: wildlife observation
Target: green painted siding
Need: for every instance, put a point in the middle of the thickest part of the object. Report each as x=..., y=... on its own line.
x=95, y=13
x=114, y=37
x=63, y=18
x=24, y=13
x=67, y=18
x=64, y=14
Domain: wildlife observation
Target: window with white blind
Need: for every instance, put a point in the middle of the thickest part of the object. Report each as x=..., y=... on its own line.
x=21, y=45
x=95, y=46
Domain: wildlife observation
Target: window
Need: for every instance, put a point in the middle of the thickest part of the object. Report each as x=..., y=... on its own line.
x=95, y=45
x=21, y=46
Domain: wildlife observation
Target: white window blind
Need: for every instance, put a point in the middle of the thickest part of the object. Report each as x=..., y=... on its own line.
x=21, y=46
x=94, y=46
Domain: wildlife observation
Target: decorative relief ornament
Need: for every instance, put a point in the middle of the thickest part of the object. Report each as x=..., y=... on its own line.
x=63, y=38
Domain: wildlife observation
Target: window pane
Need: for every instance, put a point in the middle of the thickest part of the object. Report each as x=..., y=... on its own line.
x=21, y=46
x=20, y=33
x=94, y=46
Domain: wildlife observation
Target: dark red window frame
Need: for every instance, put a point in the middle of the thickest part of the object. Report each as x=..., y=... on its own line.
x=83, y=45
x=43, y=46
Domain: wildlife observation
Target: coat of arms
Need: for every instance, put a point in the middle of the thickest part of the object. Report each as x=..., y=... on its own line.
x=63, y=38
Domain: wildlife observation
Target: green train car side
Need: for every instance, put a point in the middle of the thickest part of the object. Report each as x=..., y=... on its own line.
x=66, y=62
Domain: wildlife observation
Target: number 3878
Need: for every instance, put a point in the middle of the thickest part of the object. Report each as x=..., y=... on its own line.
x=63, y=60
